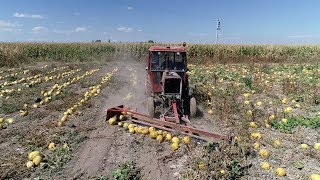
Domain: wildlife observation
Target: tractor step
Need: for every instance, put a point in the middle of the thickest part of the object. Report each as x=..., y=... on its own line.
x=166, y=123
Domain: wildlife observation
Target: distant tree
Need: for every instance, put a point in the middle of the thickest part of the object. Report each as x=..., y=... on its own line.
x=150, y=41
x=97, y=40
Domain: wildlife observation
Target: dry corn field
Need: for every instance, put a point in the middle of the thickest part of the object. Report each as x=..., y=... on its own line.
x=53, y=99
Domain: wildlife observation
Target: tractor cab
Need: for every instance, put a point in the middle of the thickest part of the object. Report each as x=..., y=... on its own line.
x=165, y=59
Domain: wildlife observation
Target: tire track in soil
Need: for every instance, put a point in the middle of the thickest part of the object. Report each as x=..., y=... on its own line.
x=108, y=146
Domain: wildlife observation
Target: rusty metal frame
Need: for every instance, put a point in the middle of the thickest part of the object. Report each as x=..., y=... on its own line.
x=167, y=123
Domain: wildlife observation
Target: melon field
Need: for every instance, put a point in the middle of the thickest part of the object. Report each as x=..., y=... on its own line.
x=53, y=101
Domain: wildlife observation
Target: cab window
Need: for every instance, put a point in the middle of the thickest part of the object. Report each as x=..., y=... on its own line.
x=176, y=60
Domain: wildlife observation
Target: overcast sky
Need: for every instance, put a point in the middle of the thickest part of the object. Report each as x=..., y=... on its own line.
x=243, y=21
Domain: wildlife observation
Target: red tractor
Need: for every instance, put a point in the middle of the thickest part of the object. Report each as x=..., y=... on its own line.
x=169, y=91
x=167, y=82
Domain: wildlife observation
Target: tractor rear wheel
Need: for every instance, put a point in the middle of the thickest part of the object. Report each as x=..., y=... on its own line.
x=150, y=106
x=147, y=86
x=193, y=107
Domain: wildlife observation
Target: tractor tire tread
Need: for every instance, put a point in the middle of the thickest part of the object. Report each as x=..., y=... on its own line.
x=150, y=106
x=193, y=107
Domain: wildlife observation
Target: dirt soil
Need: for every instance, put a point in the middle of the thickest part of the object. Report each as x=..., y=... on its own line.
x=108, y=146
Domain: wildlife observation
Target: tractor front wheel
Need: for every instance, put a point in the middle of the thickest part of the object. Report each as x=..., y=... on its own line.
x=150, y=106
x=193, y=107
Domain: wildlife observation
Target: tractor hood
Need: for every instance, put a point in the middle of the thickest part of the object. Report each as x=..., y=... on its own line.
x=169, y=75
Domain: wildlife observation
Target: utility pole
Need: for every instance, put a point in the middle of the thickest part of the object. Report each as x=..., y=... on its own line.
x=218, y=29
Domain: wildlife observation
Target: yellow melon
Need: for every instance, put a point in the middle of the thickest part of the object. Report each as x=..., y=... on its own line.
x=51, y=146
x=33, y=154
x=29, y=164
x=160, y=138
x=175, y=140
x=175, y=146
x=265, y=165
x=280, y=172
x=168, y=137
x=112, y=121
x=186, y=140
x=264, y=153
x=37, y=160
x=153, y=134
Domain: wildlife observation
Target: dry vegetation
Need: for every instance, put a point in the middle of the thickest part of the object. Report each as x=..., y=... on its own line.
x=33, y=105
x=272, y=107
x=12, y=54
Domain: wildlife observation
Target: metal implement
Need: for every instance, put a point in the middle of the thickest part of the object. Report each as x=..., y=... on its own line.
x=173, y=123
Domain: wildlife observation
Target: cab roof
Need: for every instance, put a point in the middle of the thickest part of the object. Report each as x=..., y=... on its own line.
x=168, y=48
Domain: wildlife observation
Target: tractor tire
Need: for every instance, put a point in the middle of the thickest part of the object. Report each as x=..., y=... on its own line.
x=150, y=106
x=193, y=107
x=147, y=86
